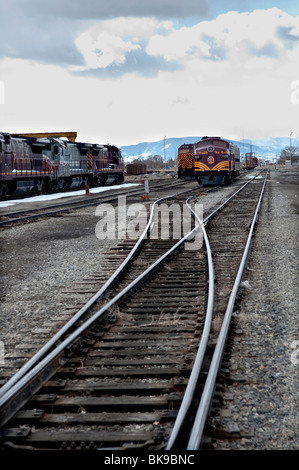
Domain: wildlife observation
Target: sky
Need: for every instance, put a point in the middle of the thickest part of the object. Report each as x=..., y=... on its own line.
x=130, y=71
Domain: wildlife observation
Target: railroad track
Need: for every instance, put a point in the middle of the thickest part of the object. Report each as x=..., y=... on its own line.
x=109, y=189
x=9, y=219
x=129, y=372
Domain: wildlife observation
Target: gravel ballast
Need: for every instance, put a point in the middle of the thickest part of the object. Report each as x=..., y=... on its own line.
x=262, y=403
x=41, y=260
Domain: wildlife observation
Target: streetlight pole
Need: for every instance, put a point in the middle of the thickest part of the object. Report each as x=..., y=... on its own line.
x=164, y=153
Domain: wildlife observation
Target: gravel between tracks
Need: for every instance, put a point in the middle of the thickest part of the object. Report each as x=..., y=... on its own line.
x=41, y=260
x=52, y=254
x=263, y=400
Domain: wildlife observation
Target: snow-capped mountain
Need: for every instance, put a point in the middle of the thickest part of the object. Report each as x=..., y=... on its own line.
x=262, y=147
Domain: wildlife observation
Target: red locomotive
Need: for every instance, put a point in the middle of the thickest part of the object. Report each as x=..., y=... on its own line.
x=250, y=161
x=29, y=165
x=216, y=161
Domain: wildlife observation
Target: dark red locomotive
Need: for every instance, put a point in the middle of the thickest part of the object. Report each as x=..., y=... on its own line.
x=29, y=165
x=216, y=161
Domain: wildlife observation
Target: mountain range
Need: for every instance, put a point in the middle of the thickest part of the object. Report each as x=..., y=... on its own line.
x=263, y=148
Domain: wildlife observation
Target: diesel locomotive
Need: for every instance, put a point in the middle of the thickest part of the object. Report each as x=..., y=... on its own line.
x=29, y=165
x=186, y=161
x=216, y=161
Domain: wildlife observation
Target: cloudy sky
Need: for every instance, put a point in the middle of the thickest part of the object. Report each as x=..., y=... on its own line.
x=128, y=71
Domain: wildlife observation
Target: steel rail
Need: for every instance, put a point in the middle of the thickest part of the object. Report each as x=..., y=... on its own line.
x=205, y=402
x=193, y=380
x=42, y=371
x=54, y=209
x=195, y=373
x=210, y=216
x=18, y=376
x=37, y=370
x=96, y=196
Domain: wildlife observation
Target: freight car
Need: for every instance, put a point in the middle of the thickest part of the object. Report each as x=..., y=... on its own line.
x=29, y=165
x=216, y=161
x=186, y=161
x=250, y=161
x=136, y=168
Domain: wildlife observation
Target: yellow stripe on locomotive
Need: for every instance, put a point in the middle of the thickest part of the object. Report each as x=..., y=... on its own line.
x=200, y=166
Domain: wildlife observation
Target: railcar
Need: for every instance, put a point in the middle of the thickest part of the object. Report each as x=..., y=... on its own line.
x=216, y=161
x=136, y=168
x=186, y=161
x=30, y=165
x=250, y=161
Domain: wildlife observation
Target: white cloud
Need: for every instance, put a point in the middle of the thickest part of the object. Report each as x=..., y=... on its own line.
x=103, y=50
x=240, y=37
x=234, y=81
x=108, y=42
x=260, y=39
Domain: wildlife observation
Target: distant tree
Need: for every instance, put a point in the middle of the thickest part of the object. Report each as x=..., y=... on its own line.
x=289, y=153
x=155, y=162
